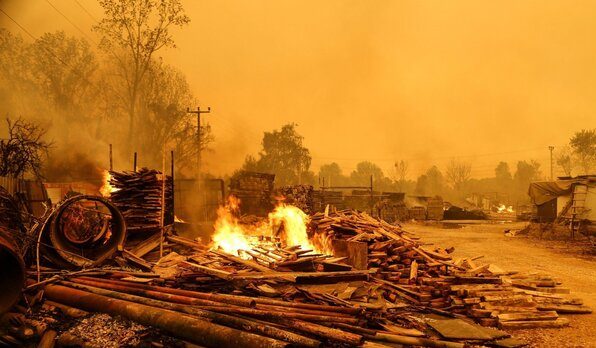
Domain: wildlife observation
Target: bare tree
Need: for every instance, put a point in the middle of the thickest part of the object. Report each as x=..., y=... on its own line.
x=458, y=172
x=132, y=31
x=24, y=150
x=401, y=171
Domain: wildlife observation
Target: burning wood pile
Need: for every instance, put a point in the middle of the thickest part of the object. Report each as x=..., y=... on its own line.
x=327, y=280
x=138, y=196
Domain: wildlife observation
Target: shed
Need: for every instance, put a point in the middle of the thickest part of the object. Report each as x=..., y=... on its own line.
x=573, y=198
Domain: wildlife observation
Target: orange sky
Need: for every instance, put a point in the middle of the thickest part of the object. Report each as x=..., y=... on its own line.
x=379, y=80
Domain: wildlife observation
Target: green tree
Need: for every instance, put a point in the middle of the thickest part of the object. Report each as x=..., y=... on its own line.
x=64, y=76
x=502, y=172
x=132, y=32
x=526, y=173
x=332, y=174
x=164, y=98
x=422, y=185
x=583, y=144
x=284, y=155
x=436, y=181
x=502, y=182
x=364, y=170
x=564, y=159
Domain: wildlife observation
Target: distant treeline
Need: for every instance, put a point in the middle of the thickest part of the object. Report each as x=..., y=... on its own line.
x=284, y=154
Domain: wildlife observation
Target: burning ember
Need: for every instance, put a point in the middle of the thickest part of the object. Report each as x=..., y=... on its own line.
x=286, y=222
x=502, y=208
x=107, y=189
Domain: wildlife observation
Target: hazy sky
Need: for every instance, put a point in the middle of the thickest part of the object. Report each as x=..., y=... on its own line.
x=378, y=80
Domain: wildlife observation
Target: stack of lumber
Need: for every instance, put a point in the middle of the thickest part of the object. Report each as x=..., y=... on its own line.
x=254, y=191
x=434, y=210
x=404, y=267
x=513, y=301
x=413, y=272
x=138, y=196
x=391, y=210
x=300, y=196
x=323, y=198
x=373, y=285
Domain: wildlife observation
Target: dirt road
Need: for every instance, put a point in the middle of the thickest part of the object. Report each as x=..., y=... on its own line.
x=577, y=272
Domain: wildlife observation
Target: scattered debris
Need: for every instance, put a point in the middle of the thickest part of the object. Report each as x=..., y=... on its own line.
x=349, y=279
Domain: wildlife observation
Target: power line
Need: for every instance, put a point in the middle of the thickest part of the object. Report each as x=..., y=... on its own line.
x=84, y=9
x=73, y=70
x=71, y=22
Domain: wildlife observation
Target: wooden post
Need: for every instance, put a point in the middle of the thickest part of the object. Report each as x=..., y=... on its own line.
x=372, y=203
x=111, y=161
x=173, y=185
x=163, y=199
x=134, y=162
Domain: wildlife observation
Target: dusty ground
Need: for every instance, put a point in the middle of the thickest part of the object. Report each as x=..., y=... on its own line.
x=562, y=260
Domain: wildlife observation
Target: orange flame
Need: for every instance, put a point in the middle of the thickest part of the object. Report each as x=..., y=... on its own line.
x=294, y=223
x=286, y=220
x=229, y=234
x=502, y=208
x=106, y=188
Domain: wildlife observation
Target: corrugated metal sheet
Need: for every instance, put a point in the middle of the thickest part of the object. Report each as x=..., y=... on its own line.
x=12, y=185
x=34, y=191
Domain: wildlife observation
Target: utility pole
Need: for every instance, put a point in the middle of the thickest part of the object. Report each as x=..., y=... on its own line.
x=199, y=112
x=551, y=148
x=199, y=188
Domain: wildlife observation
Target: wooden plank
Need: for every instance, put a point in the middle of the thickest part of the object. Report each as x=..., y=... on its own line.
x=530, y=324
x=356, y=252
x=525, y=316
x=565, y=309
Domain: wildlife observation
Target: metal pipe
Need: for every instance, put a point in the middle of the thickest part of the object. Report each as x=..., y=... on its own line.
x=59, y=249
x=183, y=326
x=239, y=300
x=12, y=271
x=262, y=328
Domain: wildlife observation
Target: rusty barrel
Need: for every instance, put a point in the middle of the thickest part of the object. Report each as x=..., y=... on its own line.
x=12, y=271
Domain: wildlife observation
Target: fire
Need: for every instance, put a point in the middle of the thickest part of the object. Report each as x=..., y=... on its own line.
x=106, y=188
x=230, y=235
x=287, y=222
x=294, y=225
x=502, y=208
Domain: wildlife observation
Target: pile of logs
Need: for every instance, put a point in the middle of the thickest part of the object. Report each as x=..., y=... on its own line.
x=513, y=301
x=410, y=271
x=254, y=191
x=371, y=284
x=138, y=196
x=300, y=196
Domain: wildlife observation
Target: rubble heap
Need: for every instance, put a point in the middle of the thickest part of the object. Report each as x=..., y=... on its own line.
x=363, y=282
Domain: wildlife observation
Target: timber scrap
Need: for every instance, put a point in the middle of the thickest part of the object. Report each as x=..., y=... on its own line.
x=382, y=286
